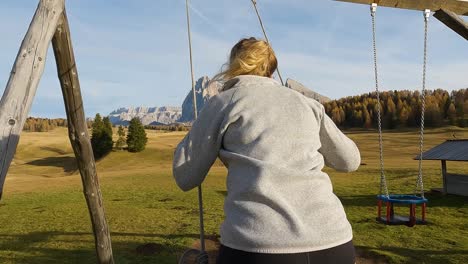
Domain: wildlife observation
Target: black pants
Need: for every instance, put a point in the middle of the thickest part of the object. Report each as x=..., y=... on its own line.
x=342, y=254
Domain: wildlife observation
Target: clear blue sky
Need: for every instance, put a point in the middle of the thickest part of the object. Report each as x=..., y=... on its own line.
x=132, y=53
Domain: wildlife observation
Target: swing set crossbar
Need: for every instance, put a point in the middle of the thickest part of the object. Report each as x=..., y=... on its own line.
x=459, y=7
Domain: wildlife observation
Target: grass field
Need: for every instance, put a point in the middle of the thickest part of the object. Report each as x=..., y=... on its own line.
x=43, y=215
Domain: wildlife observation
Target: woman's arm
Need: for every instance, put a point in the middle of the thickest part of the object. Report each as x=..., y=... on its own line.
x=197, y=152
x=339, y=152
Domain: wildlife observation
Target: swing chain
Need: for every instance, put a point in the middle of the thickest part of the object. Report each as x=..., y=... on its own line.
x=254, y=3
x=419, y=183
x=202, y=257
x=383, y=180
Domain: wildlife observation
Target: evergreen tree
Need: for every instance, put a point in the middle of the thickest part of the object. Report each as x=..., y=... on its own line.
x=121, y=140
x=366, y=118
x=433, y=117
x=101, y=137
x=107, y=126
x=452, y=115
x=107, y=135
x=97, y=125
x=404, y=115
x=460, y=113
x=136, y=136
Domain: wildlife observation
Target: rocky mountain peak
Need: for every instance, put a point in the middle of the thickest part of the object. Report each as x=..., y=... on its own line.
x=204, y=90
x=147, y=115
x=299, y=87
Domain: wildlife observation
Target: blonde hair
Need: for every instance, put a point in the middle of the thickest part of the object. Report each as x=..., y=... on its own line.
x=250, y=57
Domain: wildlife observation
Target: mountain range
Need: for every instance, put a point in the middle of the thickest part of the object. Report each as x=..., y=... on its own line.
x=204, y=90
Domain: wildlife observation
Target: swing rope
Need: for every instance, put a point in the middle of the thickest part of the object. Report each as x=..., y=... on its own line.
x=254, y=3
x=419, y=182
x=383, y=180
x=202, y=257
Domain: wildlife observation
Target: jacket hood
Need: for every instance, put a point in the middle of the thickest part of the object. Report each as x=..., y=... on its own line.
x=247, y=80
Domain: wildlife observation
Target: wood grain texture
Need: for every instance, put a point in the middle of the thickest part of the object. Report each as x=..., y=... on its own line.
x=444, y=175
x=453, y=21
x=24, y=78
x=79, y=138
x=459, y=7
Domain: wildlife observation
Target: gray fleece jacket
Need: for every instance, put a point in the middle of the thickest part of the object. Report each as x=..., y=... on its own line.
x=274, y=142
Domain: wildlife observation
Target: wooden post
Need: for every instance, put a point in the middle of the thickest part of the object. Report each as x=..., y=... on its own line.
x=79, y=138
x=453, y=21
x=24, y=78
x=444, y=176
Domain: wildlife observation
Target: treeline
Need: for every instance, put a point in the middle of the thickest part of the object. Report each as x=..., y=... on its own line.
x=34, y=124
x=175, y=127
x=401, y=109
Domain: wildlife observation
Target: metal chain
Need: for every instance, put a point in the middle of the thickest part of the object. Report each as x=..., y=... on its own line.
x=254, y=3
x=419, y=182
x=201, y=258
x=191, y=61
x=383, y=180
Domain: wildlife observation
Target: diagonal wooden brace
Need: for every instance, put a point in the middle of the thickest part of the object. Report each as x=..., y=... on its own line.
x=453, y=21
x=24, y=79
x=79, y=138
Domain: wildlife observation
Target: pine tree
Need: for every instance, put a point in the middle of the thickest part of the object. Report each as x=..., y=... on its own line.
x=433, y=117
x=101, y=137
x=97, y=125
x=460, y=111
x=452, y=115
x=366, y=118
x=136, y=136
x=107, y=135
x=121, y=141
x=403, y=117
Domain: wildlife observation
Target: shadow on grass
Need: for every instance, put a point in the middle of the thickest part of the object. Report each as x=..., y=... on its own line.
x=435, y=200
x=67, y=163
x=28, y=248
x=56, y=150
x=39, y=247
x=417, y=255
x=223, y=193
x=393, y=173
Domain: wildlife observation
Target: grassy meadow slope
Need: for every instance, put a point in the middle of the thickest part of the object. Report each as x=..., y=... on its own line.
x=44, y=218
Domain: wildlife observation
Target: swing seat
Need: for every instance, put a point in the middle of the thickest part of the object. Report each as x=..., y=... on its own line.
x=391, y=218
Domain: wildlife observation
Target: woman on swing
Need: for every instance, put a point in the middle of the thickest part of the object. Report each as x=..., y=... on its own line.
x=280, y=206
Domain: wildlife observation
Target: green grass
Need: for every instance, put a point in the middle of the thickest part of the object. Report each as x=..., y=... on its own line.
x=44, y=218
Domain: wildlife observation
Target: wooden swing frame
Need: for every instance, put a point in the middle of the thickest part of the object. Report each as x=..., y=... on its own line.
x=50, y=25
x=446, y=11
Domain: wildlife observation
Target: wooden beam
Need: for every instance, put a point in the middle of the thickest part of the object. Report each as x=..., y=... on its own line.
x=453, y=21
x=459, y=7
x=444, y=176
x=79, y=138
x=24, y=78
